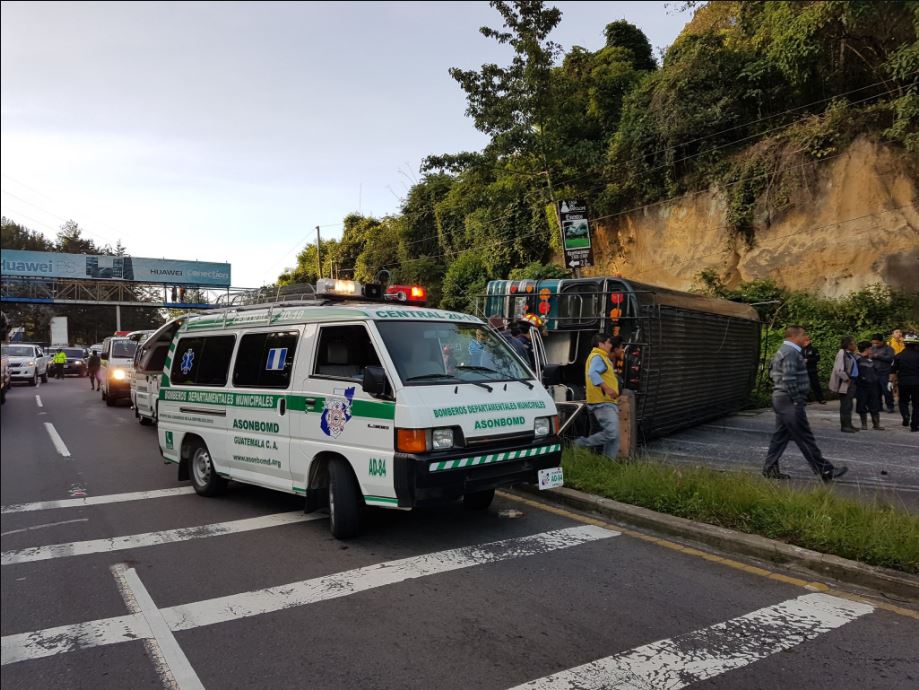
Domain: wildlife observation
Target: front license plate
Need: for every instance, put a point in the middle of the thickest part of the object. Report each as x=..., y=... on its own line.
x=551, y=478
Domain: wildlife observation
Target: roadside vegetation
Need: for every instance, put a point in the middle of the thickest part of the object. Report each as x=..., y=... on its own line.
x=818, y=519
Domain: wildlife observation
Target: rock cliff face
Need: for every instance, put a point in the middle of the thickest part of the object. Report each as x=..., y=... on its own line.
x=849, y=222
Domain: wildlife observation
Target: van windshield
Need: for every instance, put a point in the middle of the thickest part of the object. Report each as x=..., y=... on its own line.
x=123, y=348
x=432, y=352
x=18, y=351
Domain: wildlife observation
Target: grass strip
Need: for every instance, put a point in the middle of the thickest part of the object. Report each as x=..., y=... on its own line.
x=814, y=518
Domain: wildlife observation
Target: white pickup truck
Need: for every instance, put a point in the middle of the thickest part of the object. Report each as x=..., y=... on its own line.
x=27, y=363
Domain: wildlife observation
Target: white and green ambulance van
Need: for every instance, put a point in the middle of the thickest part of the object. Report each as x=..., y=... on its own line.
x=352, y=403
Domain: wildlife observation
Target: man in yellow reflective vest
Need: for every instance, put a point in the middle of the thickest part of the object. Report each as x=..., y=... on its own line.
x=603, y=393
x=60, y=359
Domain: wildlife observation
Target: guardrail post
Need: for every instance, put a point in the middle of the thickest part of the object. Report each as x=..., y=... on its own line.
x=628, y=424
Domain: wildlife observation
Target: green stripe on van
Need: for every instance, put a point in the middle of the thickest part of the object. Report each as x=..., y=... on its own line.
x=369, y=409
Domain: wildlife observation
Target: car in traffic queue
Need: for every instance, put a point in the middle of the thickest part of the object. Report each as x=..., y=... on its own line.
x=76, y=360
x=115, y=368
x=27, y=362
x=5, y=380
x=352, y=403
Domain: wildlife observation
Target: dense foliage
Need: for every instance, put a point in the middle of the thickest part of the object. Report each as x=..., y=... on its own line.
x=861, y=314
x=747, y=93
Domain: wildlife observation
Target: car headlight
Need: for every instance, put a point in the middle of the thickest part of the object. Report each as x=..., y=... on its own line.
x=442, y=439
x=30, y=363
x=118, y=374
x=543, y=426
x=79, y=362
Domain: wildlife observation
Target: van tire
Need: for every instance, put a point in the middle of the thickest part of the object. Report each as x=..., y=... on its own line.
x=44, y=377
x=145, y=421
x=346, y=503
x=202, y=473
x=480, y=500
x=34, y=380
x=109, y=400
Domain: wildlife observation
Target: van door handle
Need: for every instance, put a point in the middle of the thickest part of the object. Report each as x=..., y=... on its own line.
x=282, y=408
x=310, y=402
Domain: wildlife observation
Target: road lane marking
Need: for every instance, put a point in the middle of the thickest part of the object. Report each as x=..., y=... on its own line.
x=71, y=638
x=169, y=536
x=696, y=656
x=170, y=661
x=96, y=500
x=57, y=440
x=38, y=401
x=304, y=592
x=48, y=524
x=107, y=631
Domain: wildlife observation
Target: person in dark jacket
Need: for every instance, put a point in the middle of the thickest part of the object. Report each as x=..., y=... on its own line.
x=811, y=359
x=906, y=367
x=868, y=392
x=92, y=369
x=882, y=355
x=789, y=397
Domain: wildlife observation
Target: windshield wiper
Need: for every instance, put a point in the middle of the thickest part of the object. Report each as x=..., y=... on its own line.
x=472, y=367
x=525, y=383
x=422, y=377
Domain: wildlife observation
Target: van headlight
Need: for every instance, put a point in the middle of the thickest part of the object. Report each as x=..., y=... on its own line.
x=442, y=439
x=544, y=426
x=118, y=374
x=30, y=363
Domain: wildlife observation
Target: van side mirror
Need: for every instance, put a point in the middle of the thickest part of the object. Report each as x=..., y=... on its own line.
x=551, y=375
x=375, y=382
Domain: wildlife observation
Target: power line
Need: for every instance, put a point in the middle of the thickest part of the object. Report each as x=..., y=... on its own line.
x=53, y=215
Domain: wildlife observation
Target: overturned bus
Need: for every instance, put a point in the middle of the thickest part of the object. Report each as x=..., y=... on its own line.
x=689, y=358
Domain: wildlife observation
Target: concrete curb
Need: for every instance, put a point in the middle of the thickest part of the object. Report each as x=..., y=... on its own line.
x=882, y=580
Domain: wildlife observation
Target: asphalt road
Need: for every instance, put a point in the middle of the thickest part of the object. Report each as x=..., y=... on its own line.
x=883, y=465
x=127, y=588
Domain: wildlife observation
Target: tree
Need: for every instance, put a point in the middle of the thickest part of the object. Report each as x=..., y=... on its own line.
x=15, y=236
x=622, y=34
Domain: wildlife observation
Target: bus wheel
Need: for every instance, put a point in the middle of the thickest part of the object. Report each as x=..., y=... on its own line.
x=345, y=501
x=480, y=500
x=203, y=475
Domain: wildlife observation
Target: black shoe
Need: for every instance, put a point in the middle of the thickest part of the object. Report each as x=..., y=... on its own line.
x=822, y=402
x=834, y=473
x=905, y=422
x=776, y=475
x=890, y=410
x=849, y=430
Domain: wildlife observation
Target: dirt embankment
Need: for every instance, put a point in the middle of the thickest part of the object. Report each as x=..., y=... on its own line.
x=848, y=222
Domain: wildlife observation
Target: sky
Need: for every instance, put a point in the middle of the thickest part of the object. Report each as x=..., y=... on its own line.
x=228, y=131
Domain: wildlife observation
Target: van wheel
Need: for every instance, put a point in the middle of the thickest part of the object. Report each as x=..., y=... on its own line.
x=44, y=377
x=34, y=380
x=203, y=475
x=145, y=421
x=345, y=501
x=109, y=400
x=480, y=500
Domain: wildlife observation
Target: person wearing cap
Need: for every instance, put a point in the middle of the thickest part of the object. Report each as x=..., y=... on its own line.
x=526, y=323
x=895, y=342
x=789, y=398
x=602, y=388
x=906, y=367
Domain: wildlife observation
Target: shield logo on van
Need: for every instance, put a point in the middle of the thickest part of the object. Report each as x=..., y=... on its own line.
x=335, y=414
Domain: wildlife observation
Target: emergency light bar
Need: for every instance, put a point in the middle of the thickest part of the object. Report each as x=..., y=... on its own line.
x=348, y=289
x=410, y=294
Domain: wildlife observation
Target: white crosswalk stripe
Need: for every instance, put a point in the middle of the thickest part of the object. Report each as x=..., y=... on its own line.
x=693, y=657
x=107, y=631
x=169, y=536
x=96, y=500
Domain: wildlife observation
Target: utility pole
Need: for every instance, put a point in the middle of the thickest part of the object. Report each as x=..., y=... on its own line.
x=318, y=256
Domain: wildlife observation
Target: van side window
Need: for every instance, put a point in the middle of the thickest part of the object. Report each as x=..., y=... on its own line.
x=202, y=361
x=265, y=360
x=344, y=353
x=153, y=359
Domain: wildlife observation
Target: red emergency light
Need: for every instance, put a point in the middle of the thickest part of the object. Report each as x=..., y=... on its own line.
x=410, y=294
